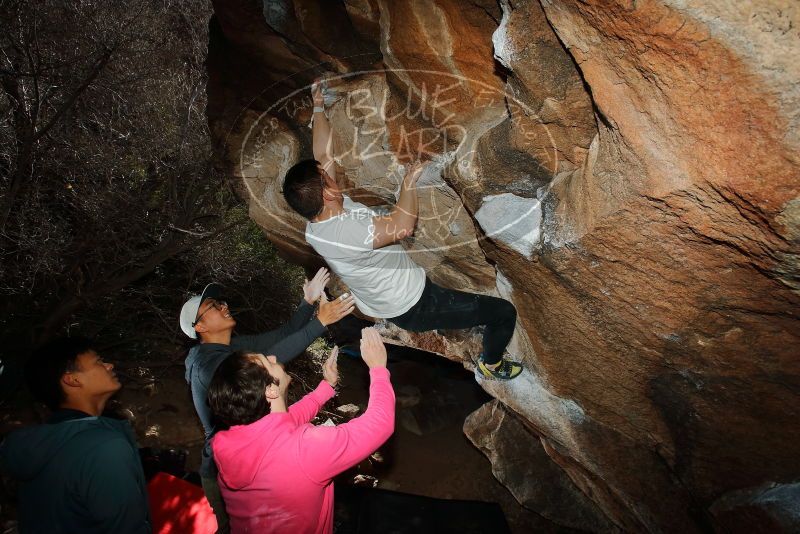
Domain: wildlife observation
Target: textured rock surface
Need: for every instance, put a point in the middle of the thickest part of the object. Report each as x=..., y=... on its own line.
x=659, y=140
x=521, y=463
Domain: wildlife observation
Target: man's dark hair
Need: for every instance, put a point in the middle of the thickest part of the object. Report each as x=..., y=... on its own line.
x=302, y=188
x=236, y=393
x=48, y=363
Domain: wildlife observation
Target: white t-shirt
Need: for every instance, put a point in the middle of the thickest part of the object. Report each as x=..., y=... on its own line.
x=385, y=282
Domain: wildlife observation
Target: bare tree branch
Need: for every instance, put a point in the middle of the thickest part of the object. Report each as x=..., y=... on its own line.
x=65, y=106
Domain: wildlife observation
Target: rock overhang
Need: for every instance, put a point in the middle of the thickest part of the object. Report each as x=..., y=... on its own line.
x=650, y=246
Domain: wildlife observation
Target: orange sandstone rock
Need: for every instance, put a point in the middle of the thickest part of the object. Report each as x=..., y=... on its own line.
x=651, y=147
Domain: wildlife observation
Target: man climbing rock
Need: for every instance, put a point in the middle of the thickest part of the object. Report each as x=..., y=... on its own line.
x=207, y=317
x=362, y=247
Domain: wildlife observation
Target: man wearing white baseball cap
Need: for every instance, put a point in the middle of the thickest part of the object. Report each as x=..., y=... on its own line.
x=206, y=317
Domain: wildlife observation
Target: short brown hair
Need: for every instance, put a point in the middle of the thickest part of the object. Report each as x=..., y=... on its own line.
x=236, y=393
x=302, y=188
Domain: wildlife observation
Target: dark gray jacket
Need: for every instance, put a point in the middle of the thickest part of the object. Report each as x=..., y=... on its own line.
x=77, y=473
x=285, y=343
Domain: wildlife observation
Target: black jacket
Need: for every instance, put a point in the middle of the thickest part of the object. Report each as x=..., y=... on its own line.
x=77, y=473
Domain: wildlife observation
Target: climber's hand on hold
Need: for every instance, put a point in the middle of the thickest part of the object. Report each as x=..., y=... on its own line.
x=413, y=174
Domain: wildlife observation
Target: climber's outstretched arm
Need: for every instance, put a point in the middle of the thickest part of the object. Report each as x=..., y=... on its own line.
x=322, y=140
x=402, y=219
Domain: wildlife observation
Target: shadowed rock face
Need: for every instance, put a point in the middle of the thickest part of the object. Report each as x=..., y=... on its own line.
x=625, y=172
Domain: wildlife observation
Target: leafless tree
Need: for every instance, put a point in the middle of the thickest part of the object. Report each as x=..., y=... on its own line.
x=106, y=169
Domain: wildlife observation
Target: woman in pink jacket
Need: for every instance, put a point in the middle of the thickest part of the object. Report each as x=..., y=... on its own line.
x=275, y=468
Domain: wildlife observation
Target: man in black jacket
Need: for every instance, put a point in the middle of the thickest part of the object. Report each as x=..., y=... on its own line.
x=79, y=472
x=206, y=317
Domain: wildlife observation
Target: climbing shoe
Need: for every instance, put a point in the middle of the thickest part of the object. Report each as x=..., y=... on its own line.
x=505, y=371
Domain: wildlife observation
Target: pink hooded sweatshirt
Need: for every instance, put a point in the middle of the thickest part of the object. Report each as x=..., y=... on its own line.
x=275, y=474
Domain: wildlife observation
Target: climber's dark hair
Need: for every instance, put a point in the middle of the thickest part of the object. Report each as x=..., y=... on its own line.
x=47, y=364
x=302, y=188
x=236, y=393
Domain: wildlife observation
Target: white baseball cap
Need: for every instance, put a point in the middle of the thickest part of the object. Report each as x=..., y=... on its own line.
x=192, y=306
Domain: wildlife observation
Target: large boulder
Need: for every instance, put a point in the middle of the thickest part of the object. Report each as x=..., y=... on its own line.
x=522, y=464
x=626, y=172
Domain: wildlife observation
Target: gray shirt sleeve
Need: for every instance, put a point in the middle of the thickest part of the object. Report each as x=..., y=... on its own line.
x=288, y=341
x=199, y=396
x=299, y=318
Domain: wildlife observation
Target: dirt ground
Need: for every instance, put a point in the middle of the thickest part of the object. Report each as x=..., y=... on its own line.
x=428, y=454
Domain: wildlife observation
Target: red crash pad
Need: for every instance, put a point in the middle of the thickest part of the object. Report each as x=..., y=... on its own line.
x=178, y=507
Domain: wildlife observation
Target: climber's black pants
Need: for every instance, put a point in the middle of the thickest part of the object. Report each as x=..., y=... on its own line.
x=448, y=309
